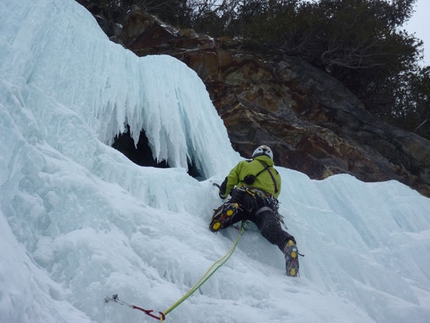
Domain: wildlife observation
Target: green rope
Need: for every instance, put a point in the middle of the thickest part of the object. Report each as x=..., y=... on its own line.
x=219, y=263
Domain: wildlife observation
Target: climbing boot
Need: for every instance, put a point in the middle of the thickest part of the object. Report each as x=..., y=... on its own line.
x=291, y=259
x=223, y=216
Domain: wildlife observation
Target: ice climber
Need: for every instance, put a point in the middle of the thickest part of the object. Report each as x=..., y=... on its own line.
x=254, y=186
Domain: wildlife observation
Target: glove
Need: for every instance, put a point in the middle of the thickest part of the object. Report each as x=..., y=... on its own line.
x=222, y=189
x=250, y=203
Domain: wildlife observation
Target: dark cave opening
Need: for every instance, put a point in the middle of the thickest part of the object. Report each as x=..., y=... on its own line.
x=141, y=154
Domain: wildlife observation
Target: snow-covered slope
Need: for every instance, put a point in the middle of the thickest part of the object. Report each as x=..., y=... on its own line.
x=79, y=221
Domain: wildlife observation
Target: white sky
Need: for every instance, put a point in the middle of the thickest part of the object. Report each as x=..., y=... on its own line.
x=420, y=25
x=79, y=221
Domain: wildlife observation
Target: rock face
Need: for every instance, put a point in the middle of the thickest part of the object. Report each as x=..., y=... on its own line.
x=311, y=121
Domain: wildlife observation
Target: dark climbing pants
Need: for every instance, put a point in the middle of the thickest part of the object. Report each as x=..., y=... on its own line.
x=268, y=225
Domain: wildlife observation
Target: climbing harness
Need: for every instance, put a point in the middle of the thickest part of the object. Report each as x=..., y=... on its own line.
x=215, y=266
x=271, y=175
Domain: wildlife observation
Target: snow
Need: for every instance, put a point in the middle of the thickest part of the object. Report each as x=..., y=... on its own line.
x=79, y=221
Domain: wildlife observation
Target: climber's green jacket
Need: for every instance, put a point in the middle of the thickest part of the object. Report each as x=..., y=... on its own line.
x=268, y=181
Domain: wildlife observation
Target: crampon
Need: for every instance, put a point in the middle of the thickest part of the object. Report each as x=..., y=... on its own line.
x=223, y=216
x=291, y=259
